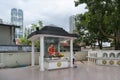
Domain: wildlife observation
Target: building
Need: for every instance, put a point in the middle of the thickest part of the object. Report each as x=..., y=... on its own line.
x=7, y=34
x=17, y=19
x=72, y=23
x=7, y=40
x=66, y=47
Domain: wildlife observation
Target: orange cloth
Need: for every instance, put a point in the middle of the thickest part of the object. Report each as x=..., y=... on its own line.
x=51, y=50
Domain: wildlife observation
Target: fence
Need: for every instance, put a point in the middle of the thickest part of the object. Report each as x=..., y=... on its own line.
x=15, y=48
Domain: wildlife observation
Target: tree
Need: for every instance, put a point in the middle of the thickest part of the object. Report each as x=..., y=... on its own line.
x=88, y=35
x=28, y=30
x=24, y=41
x=34, y=26
x=104, y=17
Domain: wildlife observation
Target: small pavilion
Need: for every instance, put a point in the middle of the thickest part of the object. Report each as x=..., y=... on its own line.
x=48, y=32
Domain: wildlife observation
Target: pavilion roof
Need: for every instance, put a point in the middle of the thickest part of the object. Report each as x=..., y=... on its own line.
x=52, y=31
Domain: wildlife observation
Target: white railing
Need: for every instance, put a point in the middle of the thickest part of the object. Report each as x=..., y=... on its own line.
x=104, y=54
x=14, y=48
x=104, y=57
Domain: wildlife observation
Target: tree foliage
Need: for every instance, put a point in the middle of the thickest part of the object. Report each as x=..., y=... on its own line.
x=25, y=41
x=32, y=28
x=88, y=35
x=102, y=18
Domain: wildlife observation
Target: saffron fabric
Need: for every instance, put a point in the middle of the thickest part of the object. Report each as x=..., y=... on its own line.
x=51, y=50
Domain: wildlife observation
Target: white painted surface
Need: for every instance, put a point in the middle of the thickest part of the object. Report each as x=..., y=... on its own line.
x=41, y=58
x=71, y=53
x=56, y=64
x=17, y=59
x=33, y=55
x=100, y=57
x=24, y=58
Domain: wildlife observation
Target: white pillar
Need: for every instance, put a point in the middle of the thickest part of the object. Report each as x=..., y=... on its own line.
x=89, y=55
x=33, y=55
x=71, y=53
x=41, y=58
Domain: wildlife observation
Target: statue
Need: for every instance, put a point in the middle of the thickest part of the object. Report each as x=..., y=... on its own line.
x=51, y=50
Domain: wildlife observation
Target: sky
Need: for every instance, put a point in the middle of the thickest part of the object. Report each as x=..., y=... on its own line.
x=55, y=12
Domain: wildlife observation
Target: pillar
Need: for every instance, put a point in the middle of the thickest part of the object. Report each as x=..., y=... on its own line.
x=41, y=57
x=71, y=53
x=33, y=55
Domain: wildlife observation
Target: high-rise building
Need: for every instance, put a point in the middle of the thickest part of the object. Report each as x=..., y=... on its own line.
x=14, y=16
x=17, y=19
x=71, y=23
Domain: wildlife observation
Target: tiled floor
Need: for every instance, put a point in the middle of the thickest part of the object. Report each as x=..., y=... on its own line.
x=86, y=71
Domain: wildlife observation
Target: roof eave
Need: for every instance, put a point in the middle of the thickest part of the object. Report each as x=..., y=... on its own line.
x=35, y=37
x=9, y=25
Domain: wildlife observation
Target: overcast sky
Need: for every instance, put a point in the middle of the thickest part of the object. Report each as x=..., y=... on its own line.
x=55, y=12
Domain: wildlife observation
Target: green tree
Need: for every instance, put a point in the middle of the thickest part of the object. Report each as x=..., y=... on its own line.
x=34, y=26
x=88, y=34
x=25, y=41
x=103, y=16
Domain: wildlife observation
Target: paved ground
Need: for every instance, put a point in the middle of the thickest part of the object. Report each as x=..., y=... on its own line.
x=84, y=71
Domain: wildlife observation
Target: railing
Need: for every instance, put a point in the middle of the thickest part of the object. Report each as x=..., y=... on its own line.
x=15, y=48
x=104, y=57
x=104, y=53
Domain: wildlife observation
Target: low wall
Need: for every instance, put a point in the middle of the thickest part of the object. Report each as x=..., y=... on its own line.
x=24, y=59
x=105, y=57
x=17, y=59
x=78, y=55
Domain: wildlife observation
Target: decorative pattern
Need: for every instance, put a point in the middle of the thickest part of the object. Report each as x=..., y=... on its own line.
x=104, y=62
x=111, y=62
x=118, y=62
x=59, y=64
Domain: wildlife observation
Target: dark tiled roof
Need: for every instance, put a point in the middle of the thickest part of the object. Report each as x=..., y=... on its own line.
x=51, y=30
x=9, y=25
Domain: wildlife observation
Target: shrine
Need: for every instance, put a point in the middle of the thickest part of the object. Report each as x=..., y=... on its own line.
x=50, y=55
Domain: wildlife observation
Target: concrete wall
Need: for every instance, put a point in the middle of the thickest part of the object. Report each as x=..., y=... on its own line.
x=22, y=59
x=78, y=55
x=17, y=59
